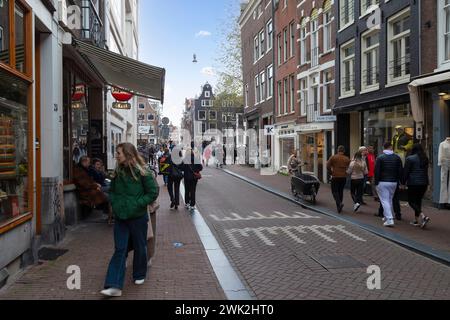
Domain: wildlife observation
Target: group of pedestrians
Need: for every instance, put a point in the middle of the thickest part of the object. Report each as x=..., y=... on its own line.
x=387, y=176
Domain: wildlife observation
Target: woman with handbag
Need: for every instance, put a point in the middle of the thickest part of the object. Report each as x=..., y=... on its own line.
x=132, y=190
x=174, y=181
x=192, y=166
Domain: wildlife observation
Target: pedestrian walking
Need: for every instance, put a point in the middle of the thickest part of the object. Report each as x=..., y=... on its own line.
x=191, y=167
x=338, y=165
x=164, y=165
x=357, y=171
x=132, y=190
x=207, y=154
x=388, y=174
x=416, y=178
x=370, y=160
x=175, y=175
x=151, y=155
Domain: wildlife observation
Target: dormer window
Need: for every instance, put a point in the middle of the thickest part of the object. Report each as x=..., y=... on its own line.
x=207, y=94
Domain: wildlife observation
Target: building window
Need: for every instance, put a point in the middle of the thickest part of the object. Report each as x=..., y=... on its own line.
x=348, y=69
x=292, y=93
x=257, y=92
x=212, y=115
x=314, y=41
x=256, y=49
x=313, y=108
x=370, y=55
x=207, y=103
x=279, y=48
x=399, y=47
x=262, y=86
x=328, y=91
x=292, y=43
x=286, y=95
x=447, y=30
x=303, y=95
x=203, y=127
x=246, y=95
x=207, y=94
x=201, y=115
x=285, y=47
x=327, y=31
x=269, y=28
x=141, y=106
x=150, y=117
x=280, y=97
x=151, y=130
x=261, y=42
x=366, y=4
x=303, y=48
x=212, y=126
x=141, y=117
x=346, y=12
x=270, y=82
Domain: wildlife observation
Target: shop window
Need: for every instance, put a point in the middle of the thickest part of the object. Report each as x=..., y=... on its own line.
x=14, y=148
x=4, y=32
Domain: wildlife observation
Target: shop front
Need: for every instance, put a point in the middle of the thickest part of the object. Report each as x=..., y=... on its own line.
x=316, y=145
x=285, y=143
x=16, y=134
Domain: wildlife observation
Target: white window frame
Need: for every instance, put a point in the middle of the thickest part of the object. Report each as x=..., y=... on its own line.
x=314, y=42
x=141, y=117
x=443, y=63
x=207, y=94
x=375, y=60
x=280, y=96
x=365, y=4
x=148, y=117
x=327, y=87
x=315, y=88
x=269, y=30
x=212, y=129
x=256, y=48
x=211, y=112
x=142, y=106
x=327, y=31
x=199, y=112
x=257, y=97
x=292, y=39
x=286, y=95
x=279, y=48
x=246, y=96
x=292, y=93
x=270, y=82
x=303, y=48
x=351, y=17
x=285, y=44
x=404, y=77
x=262, y=86
x=351, y=57
x=303, y=96
x=261, y=43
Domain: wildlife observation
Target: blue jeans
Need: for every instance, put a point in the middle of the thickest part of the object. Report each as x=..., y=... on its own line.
x=166, y=179
x=136, y=230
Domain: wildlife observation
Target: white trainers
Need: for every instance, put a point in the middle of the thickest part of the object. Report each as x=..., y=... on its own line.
x=389, y=223
x=356, y=207
x=139, y=282
x=112, y=292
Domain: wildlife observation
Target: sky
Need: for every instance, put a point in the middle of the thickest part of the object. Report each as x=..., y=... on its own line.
x=171, y=32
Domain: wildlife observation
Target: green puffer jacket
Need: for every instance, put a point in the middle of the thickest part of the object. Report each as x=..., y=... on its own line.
x=130, y=197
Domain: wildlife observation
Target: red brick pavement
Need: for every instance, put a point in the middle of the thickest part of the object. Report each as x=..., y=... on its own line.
x=436, y=235
x=176, y=274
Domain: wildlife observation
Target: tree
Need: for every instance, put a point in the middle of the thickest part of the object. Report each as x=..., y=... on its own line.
x=229, y=83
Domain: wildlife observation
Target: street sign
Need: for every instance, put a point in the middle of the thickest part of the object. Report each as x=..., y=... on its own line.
x=326, y=118
x=165, y=120
x=269, y=130
x=144, y=130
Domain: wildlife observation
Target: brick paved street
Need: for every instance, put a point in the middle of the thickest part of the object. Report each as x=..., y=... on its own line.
x=280, y=249
x=177, y=273
x=436, y=235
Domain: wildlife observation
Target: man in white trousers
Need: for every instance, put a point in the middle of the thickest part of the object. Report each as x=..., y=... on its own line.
x=388, y=174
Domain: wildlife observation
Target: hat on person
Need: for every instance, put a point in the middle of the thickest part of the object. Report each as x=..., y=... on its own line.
x=399, y=127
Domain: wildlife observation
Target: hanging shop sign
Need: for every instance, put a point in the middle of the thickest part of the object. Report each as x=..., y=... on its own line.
x=122, y=98
x=79, y=92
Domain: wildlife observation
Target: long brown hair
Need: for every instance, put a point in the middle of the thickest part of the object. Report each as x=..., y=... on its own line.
x=133, y=160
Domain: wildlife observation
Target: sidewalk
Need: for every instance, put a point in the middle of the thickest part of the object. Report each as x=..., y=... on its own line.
x=436, y=235
x=177, y=273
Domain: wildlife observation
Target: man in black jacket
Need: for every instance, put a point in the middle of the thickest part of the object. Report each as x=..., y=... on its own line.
x=388, y=174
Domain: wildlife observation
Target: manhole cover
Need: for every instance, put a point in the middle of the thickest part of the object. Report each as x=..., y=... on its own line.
x=49, y=254
x=338, y=262
x=178, y=244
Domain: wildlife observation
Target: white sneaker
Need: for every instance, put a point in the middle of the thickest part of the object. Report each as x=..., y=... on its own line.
x=389, y=223
x=356, y=207
x=139, y=282
x=112, y=292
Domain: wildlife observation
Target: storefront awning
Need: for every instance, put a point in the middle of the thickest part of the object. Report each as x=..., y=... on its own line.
x=417, y=94
x=125, y=73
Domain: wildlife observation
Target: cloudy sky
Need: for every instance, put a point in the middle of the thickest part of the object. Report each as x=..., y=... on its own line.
x=171, y=32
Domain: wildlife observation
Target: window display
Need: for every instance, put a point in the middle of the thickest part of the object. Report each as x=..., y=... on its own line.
x=13, y=148
x=393, y=124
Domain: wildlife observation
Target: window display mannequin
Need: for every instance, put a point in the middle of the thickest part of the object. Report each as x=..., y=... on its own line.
x=402, y=143
x=444, y=163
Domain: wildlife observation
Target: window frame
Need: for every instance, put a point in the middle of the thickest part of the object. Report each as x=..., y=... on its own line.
x=270, y=82
x=280, y=96
x=212, y=112
x=279, y=44
x=327, y=88
x=269, y=30
x=303, y=43
x=343, y=59
x=286, y=95
x=314, y=38
x=285, y=44
x=364, y=51
x=292, y=93
x=351, y=13
x=292, y=39
x=443, y=63
x=303, y=96
x=200, y=118
x=327, y=31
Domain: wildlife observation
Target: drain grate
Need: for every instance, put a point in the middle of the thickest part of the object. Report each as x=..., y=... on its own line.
x=50, y=254
x=338, y=262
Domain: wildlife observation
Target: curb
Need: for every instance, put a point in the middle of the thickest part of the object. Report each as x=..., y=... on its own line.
x=436, y=255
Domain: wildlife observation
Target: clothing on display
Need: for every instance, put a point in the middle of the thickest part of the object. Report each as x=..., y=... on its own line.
x=444, y=163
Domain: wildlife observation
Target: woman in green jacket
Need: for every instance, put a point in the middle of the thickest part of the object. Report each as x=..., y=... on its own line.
x=132, y=190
